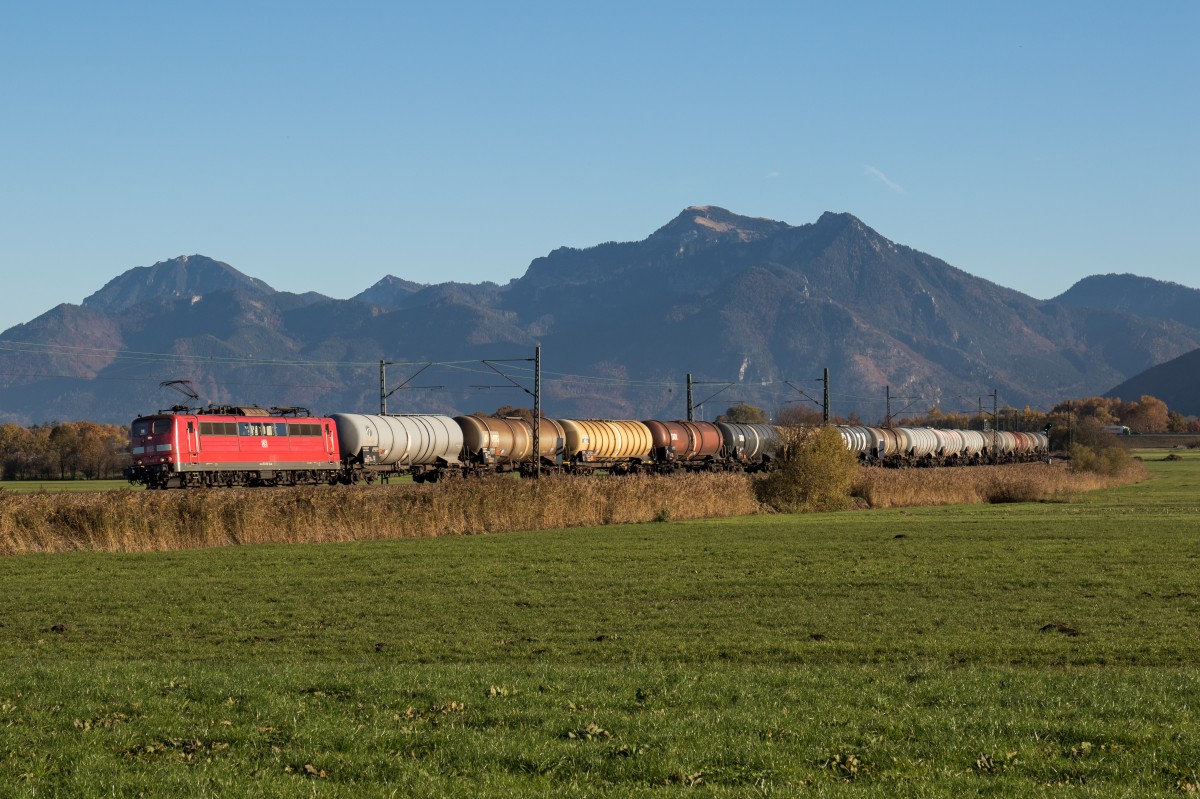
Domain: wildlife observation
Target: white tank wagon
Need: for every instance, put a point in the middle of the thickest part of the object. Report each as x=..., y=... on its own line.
x=423, y=445
x=917, y=443
x=974, y=444
x=858, y=440
x=950, y=444
x=870, y=443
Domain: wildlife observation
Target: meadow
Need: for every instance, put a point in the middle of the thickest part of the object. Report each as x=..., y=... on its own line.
x=1012, y=649
x=72, y=486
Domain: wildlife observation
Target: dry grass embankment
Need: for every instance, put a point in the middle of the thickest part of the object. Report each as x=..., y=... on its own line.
x=1026, y=482
x=144, y=521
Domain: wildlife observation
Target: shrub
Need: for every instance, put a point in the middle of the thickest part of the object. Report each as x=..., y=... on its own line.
x=1083, y=458
x=1109, y=461
x=815, y=472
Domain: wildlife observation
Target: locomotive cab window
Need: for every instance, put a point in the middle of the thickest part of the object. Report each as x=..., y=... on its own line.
x=262, y=428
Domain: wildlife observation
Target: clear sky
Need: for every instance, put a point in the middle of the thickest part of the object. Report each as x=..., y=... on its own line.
x=320, y=147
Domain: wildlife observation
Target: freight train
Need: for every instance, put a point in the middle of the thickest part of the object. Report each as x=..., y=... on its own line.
x=251, y=446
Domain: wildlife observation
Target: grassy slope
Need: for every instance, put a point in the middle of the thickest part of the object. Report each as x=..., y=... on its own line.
x=870, y=653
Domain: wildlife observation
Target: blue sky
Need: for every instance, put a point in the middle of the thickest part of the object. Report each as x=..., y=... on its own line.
x=320, y=147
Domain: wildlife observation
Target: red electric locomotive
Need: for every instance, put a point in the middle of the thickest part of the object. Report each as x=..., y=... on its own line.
x=233, y=446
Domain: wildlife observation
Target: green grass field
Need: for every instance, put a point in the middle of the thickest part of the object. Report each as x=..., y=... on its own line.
x=1008, y=650
x=29, y=486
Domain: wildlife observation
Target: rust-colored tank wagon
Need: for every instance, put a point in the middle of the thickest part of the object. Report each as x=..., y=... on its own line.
x=1032, y=444
x=398, y=443
x=505, y=442
x=755, y=443
x=552, y=441
x=604, y=441
x=684, y=441
x=488, y=439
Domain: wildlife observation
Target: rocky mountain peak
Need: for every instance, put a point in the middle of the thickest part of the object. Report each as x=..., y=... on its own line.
x=185, y=276
x=709, y=223
x=389, y=291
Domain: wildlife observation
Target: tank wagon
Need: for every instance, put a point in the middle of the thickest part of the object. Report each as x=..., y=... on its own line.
x=372, y=446
x=930, y=446
x=692, y=446
x=753, y=447
x=506, y=444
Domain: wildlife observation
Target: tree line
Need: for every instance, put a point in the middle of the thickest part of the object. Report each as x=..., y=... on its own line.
x=63, y=451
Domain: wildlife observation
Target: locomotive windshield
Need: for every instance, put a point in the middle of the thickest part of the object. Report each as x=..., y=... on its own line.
x=145, y=427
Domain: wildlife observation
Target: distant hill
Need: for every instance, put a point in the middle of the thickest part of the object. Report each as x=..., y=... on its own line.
x=1140, y=296
x=757, y=306
x=1176, y=382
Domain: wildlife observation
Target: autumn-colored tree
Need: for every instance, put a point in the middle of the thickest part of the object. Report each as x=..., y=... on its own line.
x=63, y=450
x=1147, y=415
x=64, y=439
x=509, y=412
x=15, y=445
x=798, y=415
x=1105, y=410
x=744, y=414
x=1178, y=423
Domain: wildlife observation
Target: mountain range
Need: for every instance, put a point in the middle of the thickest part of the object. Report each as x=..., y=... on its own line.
x=753, y=308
